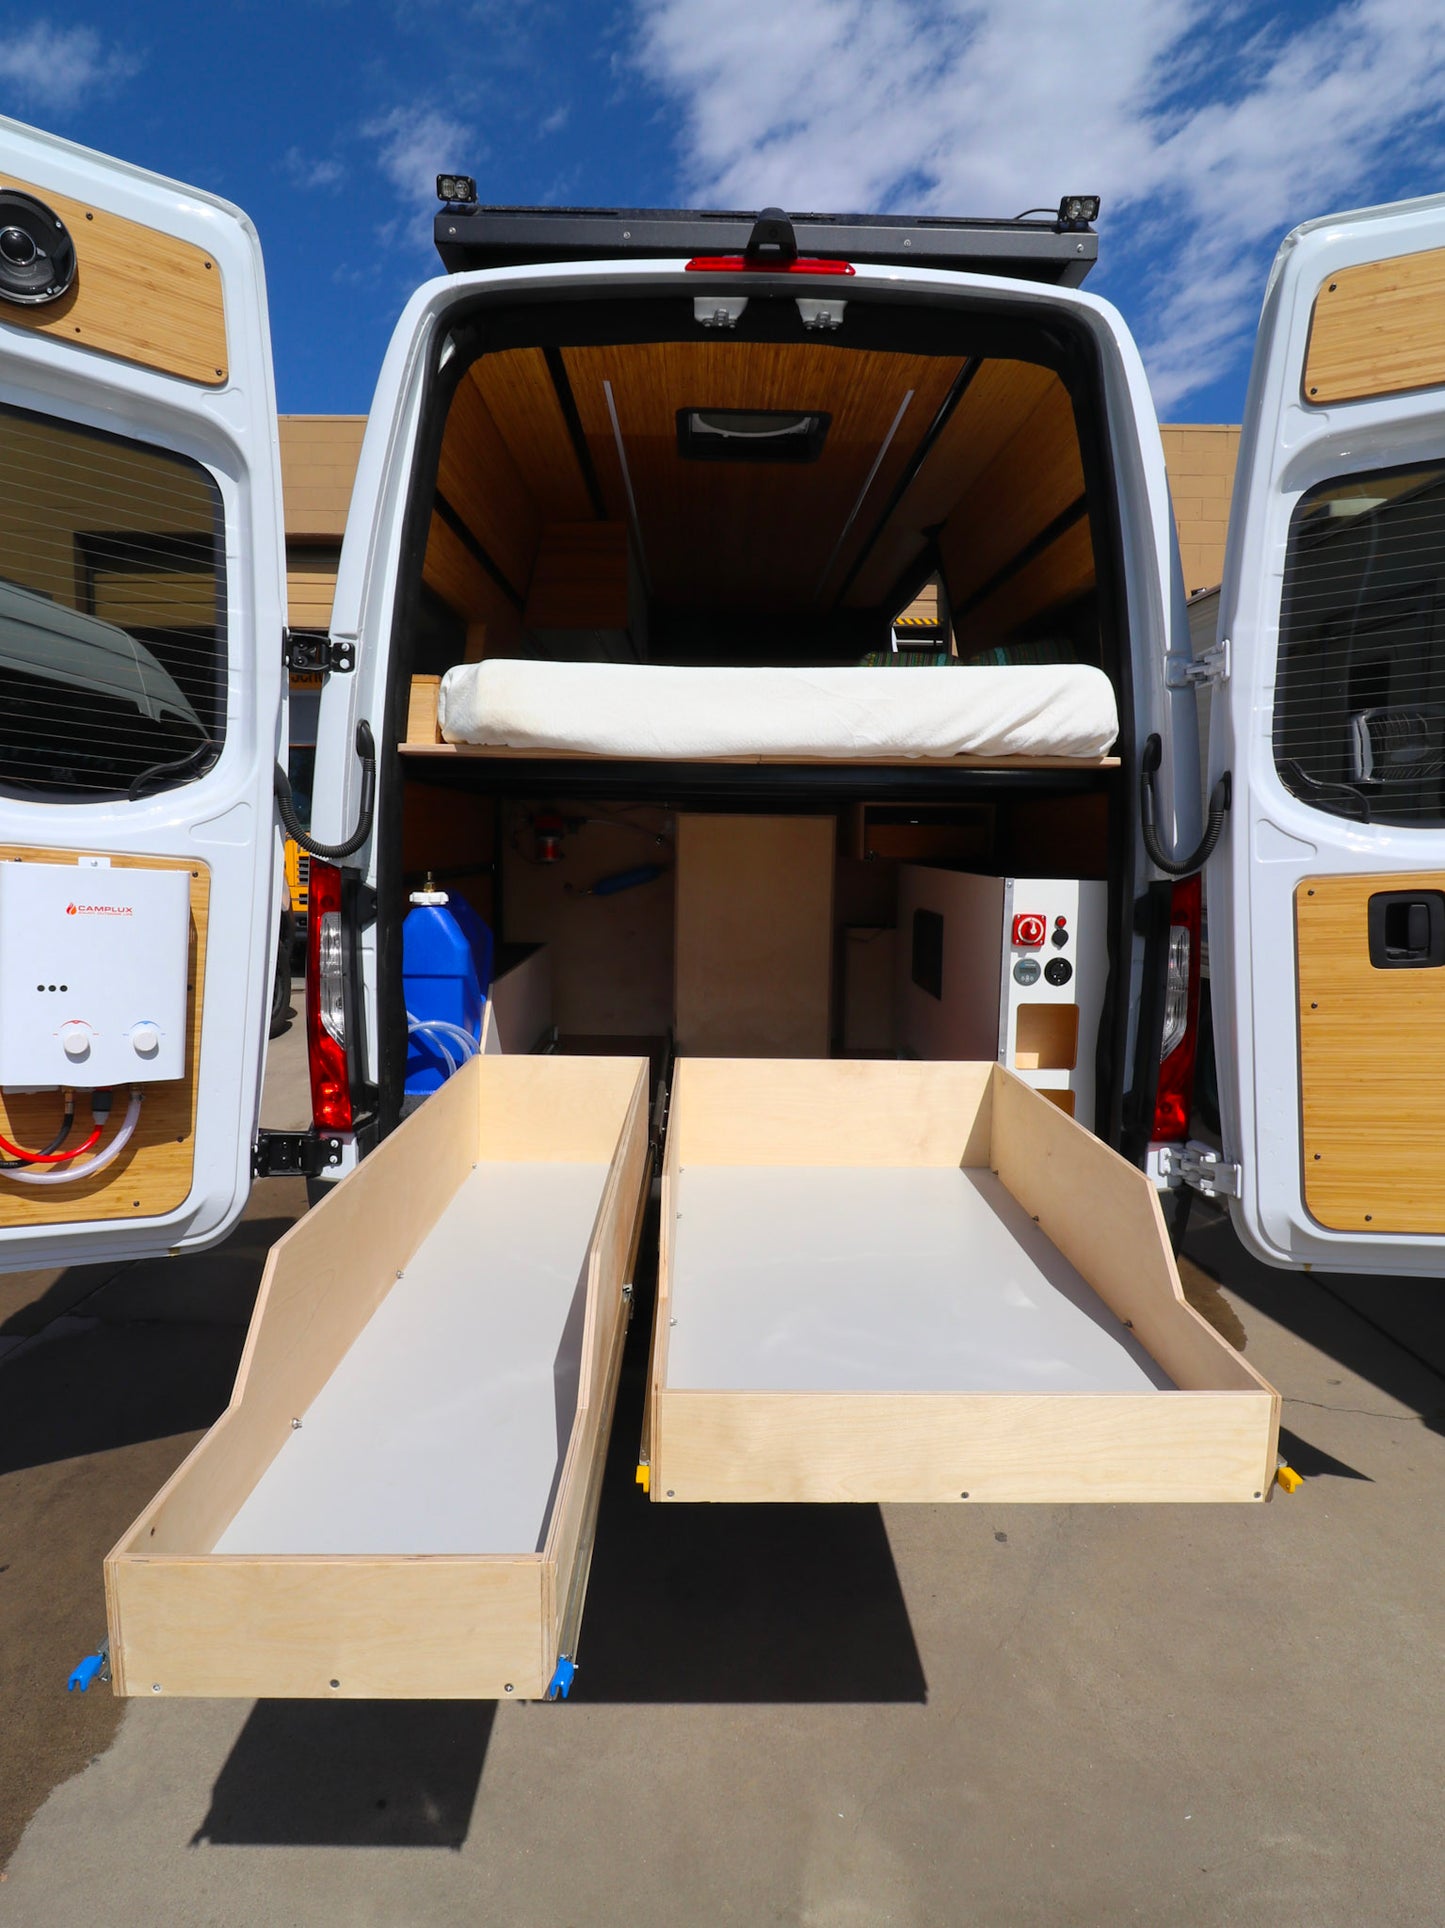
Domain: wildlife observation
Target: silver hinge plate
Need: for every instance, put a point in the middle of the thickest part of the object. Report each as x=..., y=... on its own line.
x=718, y=311
x=1203, y=1169
x=1198, y=672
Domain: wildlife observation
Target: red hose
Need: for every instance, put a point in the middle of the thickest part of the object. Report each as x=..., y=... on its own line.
x=52, y=1157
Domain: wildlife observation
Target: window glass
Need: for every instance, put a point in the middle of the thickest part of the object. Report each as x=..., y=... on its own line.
x=112, y=612
x=1359, y=722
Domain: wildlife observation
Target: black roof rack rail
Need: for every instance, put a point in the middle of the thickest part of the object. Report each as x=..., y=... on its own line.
x=469, y=236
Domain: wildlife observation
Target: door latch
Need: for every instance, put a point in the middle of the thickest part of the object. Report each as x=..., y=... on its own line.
x=306, y=654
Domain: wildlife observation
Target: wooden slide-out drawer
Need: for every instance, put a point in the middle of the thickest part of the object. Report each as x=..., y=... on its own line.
x=400, y=1498
x=911, y=1281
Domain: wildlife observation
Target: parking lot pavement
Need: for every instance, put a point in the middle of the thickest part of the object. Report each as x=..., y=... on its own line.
x=832, y=1716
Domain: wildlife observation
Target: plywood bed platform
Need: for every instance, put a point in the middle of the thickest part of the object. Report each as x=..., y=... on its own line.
x=907, y=1281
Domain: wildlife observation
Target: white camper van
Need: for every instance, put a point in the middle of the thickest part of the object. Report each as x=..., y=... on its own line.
x=894, y=974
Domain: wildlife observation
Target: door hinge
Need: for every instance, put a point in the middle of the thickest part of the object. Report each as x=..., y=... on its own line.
x=293, y=1154
x=1198, y=672
x=304, y=652
x=1203, y=1169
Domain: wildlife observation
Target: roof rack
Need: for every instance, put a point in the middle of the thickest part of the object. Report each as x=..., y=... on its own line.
x=469, y=236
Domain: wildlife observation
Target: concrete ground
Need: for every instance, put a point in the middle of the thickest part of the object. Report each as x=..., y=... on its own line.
x=830, y=1716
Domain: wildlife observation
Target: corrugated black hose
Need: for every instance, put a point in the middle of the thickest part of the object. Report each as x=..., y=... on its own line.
x=333, y=853
x=1219, y=800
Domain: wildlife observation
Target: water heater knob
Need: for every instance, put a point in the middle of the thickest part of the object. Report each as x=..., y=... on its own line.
x=147, y=1039
x=75, y=1040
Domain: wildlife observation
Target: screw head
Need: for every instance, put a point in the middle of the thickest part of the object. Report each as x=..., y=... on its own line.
x=155, y=1686
x=508, y=1688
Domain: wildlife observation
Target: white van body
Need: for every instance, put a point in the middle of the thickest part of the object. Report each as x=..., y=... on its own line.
x=1272, y=838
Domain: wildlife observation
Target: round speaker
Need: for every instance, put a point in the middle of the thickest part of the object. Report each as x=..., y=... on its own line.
x=37, y=255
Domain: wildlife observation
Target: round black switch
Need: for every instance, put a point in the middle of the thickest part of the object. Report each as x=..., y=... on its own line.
x=1058, y=970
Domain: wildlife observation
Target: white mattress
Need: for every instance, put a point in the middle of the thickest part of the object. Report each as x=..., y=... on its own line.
x=647, y=710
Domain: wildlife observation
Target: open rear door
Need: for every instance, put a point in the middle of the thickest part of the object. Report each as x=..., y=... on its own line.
x=1327, y=893
x=140, y=699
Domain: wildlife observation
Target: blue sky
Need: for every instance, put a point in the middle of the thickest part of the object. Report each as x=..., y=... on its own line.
x=1209, y=126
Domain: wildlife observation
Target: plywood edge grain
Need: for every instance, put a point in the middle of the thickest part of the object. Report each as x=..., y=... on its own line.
x=1004, y=1448
x=467, y=751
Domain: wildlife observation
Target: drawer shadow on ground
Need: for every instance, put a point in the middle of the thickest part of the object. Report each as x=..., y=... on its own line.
x=351, y=1774
x=1391, y=1331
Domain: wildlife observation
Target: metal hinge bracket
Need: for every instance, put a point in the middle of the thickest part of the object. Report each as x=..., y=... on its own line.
x=303, y=654
x=1202, y=1169
x=1198, y=672
x=293, y=1154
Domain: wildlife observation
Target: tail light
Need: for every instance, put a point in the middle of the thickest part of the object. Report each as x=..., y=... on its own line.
x=326, y=1002
x=1179, y=1044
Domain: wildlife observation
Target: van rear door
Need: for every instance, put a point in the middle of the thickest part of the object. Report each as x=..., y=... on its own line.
x=1327, y=893
x=141, y=619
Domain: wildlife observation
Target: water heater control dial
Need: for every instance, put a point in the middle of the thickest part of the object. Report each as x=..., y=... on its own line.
x=75, y=1040
x=146, y=1038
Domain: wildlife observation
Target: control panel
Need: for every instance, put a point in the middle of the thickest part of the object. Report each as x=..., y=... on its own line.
x=1012, y=968
x=93, y=965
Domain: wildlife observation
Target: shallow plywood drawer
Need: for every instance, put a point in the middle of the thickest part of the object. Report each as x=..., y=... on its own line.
x=447, y=1330
x=909, y=1281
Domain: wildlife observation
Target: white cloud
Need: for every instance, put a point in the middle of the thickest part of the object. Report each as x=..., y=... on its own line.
x=1208, y=128
x=304, y=172
x=415, y=144
x=59, y=67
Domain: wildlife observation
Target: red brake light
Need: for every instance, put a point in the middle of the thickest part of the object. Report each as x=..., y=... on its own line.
x=739, y=264
x=1179, y=1042
x=325, y=1049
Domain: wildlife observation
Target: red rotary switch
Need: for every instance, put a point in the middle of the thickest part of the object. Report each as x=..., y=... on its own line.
x=1029, y=931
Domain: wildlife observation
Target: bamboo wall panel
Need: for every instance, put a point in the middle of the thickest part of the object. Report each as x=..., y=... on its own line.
x=153, y=1174
x=480, y=480
x=1378, y=329
x=454, y=574
x=138, y=294
x=580, y=578
x=739, y=534
x=517, y=388
x=1001, y=395
x=1371, y=1046
x=1034, y=476
x=1057, y=575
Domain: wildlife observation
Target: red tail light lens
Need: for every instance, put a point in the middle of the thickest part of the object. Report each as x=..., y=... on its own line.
x=1179, y=1044
x=739, y=264
x=326, y=1002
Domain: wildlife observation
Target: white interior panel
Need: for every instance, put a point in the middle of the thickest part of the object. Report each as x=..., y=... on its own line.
x=444, y=1427
x=892, y=1279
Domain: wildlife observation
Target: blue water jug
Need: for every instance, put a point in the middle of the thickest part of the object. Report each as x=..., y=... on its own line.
x=446, y=973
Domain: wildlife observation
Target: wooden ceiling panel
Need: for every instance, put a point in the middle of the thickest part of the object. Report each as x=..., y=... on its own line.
x=517, y=388
x=482, y=483
x=750, y=534
x=1000, y=396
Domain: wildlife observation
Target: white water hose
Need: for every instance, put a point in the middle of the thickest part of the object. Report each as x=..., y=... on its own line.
x=437, y=1032
x=91, y=1166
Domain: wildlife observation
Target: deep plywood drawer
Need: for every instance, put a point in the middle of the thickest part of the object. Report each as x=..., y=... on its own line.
x=908, y=1281
x=447, y=1330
